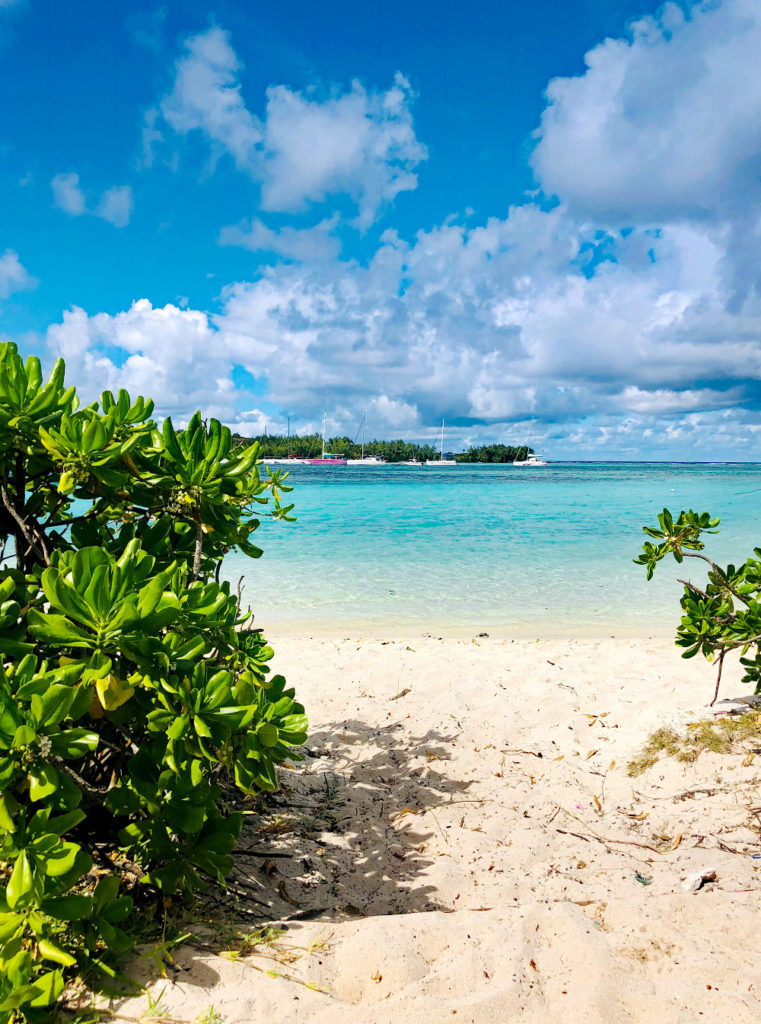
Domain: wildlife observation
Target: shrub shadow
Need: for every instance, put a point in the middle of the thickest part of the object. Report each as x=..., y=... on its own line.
x=344, y=838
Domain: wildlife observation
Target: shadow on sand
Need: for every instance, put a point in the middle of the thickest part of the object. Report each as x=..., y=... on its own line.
x=343, y=837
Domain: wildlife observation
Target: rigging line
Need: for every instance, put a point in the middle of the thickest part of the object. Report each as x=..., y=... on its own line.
x=358, y=429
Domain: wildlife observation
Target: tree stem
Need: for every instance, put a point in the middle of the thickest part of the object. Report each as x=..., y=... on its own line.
x=198, y=551
x=718, y=679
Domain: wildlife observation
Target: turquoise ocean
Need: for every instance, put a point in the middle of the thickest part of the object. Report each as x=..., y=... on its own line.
x=521, y=552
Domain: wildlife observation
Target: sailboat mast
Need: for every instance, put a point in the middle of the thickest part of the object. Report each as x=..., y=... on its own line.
x=363, y=434
x=442, y=440
x=324, y=423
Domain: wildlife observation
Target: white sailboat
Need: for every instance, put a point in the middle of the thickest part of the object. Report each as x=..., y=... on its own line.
x=327, y=458
x=369, y=460
x=441, y=461
x=532, y=458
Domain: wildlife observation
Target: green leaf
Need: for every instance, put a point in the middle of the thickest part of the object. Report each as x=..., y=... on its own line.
x=24, y=737
x=50, y=950
x=73, y=743
x=73, y=907
x=53, y=705
x=267, y=734
x=57, y=630
x=8, y=807
x=48, y=988
x=61, y=860
x=21, y=880
x=43, y=780
x=105, y=891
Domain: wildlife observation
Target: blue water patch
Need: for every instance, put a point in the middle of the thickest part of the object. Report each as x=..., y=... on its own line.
x=537, y=550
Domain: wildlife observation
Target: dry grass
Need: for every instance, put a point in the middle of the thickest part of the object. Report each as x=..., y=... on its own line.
x=731, y=735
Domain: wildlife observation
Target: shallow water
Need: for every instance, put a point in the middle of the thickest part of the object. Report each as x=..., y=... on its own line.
x=527, y=551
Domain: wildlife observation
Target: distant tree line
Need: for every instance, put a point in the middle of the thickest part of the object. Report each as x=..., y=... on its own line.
x=309, y=446
x=495, y=453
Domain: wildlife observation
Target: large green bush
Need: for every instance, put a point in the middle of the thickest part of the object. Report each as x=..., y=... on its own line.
x=134, y=694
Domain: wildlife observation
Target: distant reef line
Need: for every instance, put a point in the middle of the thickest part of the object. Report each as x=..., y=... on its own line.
x=309, y=446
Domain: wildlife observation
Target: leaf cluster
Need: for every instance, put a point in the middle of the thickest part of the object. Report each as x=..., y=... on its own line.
x=135, y=696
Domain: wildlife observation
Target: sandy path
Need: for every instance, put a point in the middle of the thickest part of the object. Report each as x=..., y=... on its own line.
x=463, y=842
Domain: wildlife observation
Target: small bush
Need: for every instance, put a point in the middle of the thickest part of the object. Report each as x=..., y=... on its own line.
x=133, y=691
x=725, y=614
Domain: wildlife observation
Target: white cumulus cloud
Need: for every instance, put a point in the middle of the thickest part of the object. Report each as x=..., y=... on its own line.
x=357, y=143
x=663, y=124
x=304, y=244
x=67, y=195
x=206, y=97
x=13, y=276
x=306, y=147
x=170, y=354
x=114, y=204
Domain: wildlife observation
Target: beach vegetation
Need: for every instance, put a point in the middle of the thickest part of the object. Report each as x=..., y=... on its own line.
x=731, y=734
x=137, y=708
x=723, y=614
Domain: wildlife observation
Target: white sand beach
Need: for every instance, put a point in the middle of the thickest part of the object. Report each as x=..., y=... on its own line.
x=463, y=843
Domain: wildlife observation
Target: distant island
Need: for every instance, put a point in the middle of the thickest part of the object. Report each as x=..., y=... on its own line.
x=309, y=446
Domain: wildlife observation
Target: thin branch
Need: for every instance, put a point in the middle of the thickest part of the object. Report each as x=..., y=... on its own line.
x=692, y=587
x=720, y=572
x=718, y=679
x=198, y=551
x=31, y=533
x=87, y=786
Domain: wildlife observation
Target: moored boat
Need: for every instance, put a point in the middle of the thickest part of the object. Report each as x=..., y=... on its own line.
x=441, y=461
x=327, y=458
x=365, y=460
x=532, y=459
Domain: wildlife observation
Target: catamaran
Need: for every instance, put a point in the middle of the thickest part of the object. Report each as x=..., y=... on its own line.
x=327, y=458
x=532, y=458
x=366, y=460
x=441, y=461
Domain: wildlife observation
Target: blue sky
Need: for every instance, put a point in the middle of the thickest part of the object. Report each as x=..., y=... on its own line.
x=490, y=213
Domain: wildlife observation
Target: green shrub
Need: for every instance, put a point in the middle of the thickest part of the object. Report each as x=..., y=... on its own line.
x=134, y=694
x=723, y=616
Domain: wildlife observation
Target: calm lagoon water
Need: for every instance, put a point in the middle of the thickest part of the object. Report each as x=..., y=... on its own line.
x=532, y=552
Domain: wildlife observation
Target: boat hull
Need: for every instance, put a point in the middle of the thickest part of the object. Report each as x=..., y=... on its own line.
x=326, y=462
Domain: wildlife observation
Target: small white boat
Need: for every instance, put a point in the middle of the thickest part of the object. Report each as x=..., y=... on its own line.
x=366, y=460
x=532, y=459
x=283, y=462
x=441, y=461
